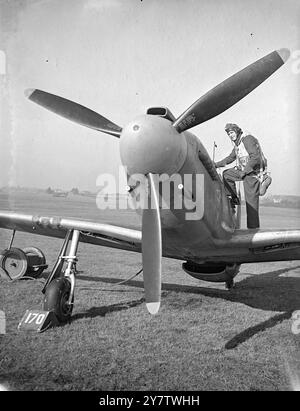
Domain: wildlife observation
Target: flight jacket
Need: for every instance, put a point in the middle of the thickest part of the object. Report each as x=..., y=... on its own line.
x=255, y=160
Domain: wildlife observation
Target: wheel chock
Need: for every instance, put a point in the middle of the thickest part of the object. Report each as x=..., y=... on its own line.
x=38, y=321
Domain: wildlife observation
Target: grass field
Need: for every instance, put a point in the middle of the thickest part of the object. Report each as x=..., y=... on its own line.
x=204, y=337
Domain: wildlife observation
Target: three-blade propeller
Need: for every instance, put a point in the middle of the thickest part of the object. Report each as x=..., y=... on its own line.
x=73, y=111
x=214, y=102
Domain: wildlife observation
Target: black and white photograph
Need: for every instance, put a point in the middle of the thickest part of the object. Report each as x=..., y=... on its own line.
x=149, y=198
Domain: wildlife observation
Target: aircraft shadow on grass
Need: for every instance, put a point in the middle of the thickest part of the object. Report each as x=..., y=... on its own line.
x=102, y=311
x=269, y=292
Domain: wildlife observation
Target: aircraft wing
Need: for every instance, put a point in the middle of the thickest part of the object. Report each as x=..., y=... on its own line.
x=90, y=232
x=246, y=246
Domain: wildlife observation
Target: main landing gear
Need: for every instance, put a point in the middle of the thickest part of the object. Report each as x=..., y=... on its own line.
x=60, y=285
x=58, y=290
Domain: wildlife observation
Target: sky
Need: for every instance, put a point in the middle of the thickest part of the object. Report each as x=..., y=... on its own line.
x=119, y=57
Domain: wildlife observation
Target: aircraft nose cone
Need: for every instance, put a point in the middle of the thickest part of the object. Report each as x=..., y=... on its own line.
x=151, y=144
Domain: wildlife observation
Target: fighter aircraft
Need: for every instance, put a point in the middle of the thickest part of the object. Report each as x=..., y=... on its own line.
x=204, y=232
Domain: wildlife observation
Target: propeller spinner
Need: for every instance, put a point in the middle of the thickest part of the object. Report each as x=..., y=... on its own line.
x=150, y=144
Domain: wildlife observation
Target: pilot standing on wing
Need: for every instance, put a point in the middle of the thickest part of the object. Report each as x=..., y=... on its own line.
x=250, y=160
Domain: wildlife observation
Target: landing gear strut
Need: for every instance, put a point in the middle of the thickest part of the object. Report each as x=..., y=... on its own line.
x=60, y=285
x=231, y=271
x=229, y=284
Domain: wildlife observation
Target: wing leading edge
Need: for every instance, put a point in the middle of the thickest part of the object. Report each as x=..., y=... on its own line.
x=91, y=232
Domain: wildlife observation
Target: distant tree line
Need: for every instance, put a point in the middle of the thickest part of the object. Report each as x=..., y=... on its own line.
x=74, y=191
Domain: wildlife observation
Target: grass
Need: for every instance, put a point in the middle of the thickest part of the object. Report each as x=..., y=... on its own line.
x=204, y=337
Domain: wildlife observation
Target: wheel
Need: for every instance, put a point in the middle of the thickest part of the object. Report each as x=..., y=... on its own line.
x=14, y=262
x=229, y=284
x=35, y=255
x=56, y=299
x=3, y=273
x=231, y=271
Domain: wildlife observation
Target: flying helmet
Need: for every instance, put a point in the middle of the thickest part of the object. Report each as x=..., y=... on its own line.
x=234, y=127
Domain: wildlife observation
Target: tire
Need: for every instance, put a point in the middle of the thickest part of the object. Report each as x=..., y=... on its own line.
x=231, y=271
x=14, y=262
x=56, y=298
x=35, y=272
x=3, y=274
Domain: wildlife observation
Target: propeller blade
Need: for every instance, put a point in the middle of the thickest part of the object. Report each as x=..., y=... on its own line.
x=152, y=250
x=73, y=111
x=230, y=91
